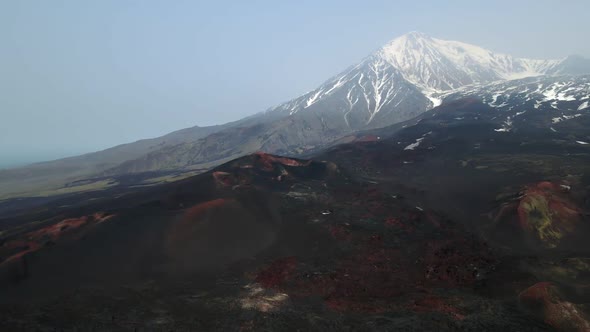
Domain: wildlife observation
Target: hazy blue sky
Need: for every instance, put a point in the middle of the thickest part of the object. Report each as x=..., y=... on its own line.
x=83, y=75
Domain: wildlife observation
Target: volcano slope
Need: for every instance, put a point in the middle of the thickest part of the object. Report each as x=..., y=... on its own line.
x=517, y=179
x=443, y=223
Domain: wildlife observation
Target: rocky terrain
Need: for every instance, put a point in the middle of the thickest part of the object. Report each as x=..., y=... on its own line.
x=455, y=220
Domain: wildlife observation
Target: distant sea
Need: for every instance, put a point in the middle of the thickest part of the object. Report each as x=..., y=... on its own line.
x=16, y=160
x=4, y=164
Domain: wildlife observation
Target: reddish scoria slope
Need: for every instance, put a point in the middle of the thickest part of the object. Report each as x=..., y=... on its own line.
x=545, y=214
x=545, y=301
x=266, y=169
x=218, y=232
x=201, y=223
x=14, y=251
x=385, y=257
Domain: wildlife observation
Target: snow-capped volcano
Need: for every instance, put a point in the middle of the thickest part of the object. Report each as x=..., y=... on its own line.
x=403, y=78
x=444, y=65
x=400, y=81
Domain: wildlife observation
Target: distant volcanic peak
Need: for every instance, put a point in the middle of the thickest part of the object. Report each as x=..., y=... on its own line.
x=405, y=78
x=410, y=42
x=416, y=35
x=445, y=65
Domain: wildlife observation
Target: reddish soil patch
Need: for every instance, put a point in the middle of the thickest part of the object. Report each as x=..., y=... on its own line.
x=267, y=161
x=277, y=272
x=436, y=304
x=27, y=247
x=100, y=217
x=200, y=209
x=368, y=281
x=374, y=277
x=544, y=300
x=388, y=256
x=35, y=240
x=55, y=230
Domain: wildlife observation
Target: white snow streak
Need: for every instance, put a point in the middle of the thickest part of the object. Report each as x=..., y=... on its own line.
x=417, y=142
x=506, y=127
x=313, y=99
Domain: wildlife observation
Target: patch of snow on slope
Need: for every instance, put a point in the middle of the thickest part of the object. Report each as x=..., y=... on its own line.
x=556, y=93
x=313, y=99
x=569, y=117
x=417, y=142
x=495, y=99
x=565, y=117
x=584, y=105
x=506, y=127
x=582, y=142
x=336, y=86
x=436, y=101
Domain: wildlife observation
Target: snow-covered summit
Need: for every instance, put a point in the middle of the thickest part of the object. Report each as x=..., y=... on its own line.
x=444, y=65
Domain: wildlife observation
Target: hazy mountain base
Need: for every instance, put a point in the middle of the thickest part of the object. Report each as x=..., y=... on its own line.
x=55, y=176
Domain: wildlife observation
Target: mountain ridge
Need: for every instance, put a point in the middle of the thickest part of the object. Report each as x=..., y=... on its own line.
x=374, y=93
x=406, y=77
